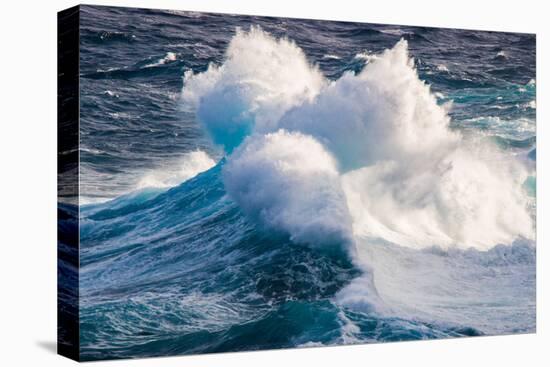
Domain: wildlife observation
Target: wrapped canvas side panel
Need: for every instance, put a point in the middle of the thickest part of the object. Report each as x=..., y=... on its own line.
x=67, y=183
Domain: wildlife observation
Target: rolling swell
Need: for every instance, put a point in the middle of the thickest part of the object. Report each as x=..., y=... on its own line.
x=185, y=272
x=192, y=245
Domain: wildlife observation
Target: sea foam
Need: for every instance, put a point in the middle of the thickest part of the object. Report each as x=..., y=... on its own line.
x=181, y=169
x=289, y=182
x=383, y=113
x=368, y=155
x=169, y=57
x=261, y=78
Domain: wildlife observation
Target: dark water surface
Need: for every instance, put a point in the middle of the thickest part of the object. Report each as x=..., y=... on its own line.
x=179, y=269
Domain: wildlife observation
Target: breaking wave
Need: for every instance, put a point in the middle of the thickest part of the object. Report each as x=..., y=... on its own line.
x=393, y=167
x=343, y=210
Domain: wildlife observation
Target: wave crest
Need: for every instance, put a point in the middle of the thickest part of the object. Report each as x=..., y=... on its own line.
x=289, y=182
x=386, y=160
x=178, y=171
x=260, y=79
x=383, y=113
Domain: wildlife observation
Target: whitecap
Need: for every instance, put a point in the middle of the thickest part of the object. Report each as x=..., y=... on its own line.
x=178, y=171
x=331, y=56
x=402, y=174
x=169, y=57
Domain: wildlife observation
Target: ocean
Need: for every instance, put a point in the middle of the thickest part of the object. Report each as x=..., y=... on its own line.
x=253, y=183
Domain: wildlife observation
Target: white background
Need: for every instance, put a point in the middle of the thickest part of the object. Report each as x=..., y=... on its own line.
x=28, y=182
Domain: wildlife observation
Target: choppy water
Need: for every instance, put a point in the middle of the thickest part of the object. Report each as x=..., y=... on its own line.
x=368, y=241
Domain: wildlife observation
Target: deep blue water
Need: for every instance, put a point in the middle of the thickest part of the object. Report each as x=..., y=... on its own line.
x=180, y=267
